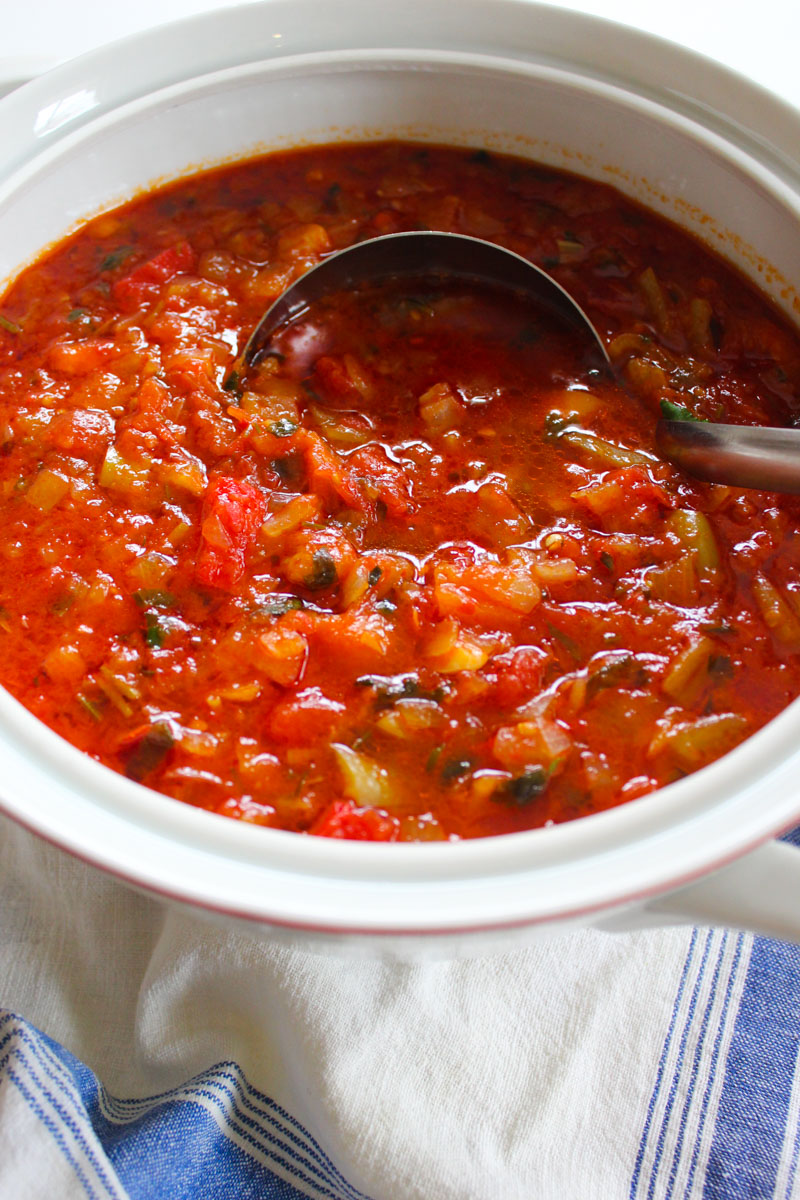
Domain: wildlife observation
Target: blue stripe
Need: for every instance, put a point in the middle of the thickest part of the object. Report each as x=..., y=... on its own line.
x=57, y=1100
x=176, y=1148
x=269, y=1145
x=637, y=1170
x=315, y=1158
x=662, y=1136
x=53, y=1127
x=696, y=1061
x=178, y=1152
x=713, y=1066
x=751, y=1120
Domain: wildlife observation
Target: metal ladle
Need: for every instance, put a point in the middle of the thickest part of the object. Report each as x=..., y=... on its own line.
x=739, y=455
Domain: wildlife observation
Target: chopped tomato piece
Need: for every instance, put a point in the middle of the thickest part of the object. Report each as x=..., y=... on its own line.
x=233, y=512
x=328, y=472
x=319, y=558
x=343, y=819
x=86, y=433
x=628, y=497
x=386, y=478
x=79, y=358
x=518, y=675
x=303, y=241
x=305, y=716
x=344, y=376
x=134, y=287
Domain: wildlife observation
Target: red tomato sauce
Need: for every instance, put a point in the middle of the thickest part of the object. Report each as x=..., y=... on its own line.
x=419, y=575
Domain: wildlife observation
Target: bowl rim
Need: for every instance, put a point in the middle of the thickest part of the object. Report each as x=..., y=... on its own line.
x=410, y=872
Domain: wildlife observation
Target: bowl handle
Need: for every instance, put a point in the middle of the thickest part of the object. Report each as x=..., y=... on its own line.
x=759, y=893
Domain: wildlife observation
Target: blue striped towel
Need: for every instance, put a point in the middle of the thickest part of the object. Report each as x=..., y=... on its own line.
x=653, y=1066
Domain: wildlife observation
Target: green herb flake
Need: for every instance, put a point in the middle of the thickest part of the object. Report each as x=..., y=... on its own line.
x=456, y=768
x=607, y=560
x=624, y=671
x=387, y=607
x=389, y=688
x=277, y=605
x=155, y=632
x=374, y=576
x=331, y=197
x=433, y=759
x=283, y=427
x=9, y=325
x=677, y=412
x=572, y=648
x=323, y=572
x=720, y=667
x=78, y=314
x=116, y=258
x=62, y=604
x=526, y=787
x=150, y=751
x=232, y=381
x=91, y=708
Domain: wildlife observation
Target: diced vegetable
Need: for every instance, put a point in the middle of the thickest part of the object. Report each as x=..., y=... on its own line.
x=777, y=613
x=121, y=475
x=697, y=742
x=696, y=533
x=409, y=716
x=233, y=512
x=676, y=582
x=532, y=742
x=656, y=301
x=344, y=819
x=133, y=289
x=596, y=450
x=47, y=490
x=363, y=780
x=439, y=408
x=687, y=675
x=281, y=654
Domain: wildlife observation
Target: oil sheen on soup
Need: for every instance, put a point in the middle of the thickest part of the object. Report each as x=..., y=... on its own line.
x=419, y=574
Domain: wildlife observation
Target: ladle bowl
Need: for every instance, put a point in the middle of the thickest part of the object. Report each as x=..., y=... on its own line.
x=427, y=256
x=738, y=455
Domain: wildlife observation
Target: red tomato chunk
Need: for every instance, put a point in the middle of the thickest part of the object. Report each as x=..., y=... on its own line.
x=233, y=512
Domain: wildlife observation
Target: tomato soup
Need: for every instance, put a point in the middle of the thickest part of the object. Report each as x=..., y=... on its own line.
x=418, y=574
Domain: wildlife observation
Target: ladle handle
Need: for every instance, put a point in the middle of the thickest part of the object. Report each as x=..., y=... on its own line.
x=740, y=455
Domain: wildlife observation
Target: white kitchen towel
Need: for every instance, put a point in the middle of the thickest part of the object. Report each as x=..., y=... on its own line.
x=145, y=1053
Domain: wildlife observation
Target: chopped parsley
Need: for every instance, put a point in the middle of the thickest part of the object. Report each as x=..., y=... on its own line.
x=116, y=258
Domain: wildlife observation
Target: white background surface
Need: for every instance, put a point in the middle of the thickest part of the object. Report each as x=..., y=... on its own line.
x=759, y=38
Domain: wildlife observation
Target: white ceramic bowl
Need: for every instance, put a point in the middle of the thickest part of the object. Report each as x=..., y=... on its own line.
x=510, y=76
